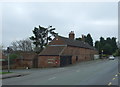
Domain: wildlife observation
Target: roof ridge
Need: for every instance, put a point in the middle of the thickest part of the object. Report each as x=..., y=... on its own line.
x=73, y=40
x=77, y=43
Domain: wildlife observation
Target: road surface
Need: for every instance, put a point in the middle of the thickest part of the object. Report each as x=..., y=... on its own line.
x=96, y=72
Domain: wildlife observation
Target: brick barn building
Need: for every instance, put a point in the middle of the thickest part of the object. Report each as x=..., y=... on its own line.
x=64, y=51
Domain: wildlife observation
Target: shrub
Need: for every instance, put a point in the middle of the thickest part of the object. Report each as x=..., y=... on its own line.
x=13, y=57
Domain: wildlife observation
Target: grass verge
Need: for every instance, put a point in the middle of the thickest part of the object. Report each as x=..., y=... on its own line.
x=5, y=72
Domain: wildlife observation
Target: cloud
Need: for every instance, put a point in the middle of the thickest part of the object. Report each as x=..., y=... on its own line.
x=105, y=23
x=98, y=19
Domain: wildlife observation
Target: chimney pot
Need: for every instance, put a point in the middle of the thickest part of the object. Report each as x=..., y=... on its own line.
x=83, y=37
x=72, y=35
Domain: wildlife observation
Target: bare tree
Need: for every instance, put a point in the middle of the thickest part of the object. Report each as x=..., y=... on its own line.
x=23, y=45
x=14, y=45
x=1, y=47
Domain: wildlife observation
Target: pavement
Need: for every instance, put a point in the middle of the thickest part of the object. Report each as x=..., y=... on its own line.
x=11, y=75
x=96, y=72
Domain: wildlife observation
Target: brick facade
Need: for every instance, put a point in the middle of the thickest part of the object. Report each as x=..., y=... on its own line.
x=25, y=60
x=62, y=48
x=48, y=61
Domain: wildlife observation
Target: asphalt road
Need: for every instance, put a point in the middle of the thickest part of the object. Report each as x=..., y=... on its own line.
x=96, y=72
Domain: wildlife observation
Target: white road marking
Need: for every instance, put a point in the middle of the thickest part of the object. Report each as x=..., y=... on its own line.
x=52, y=78
x=77, y=71
x=109, y=83
x=116, y=75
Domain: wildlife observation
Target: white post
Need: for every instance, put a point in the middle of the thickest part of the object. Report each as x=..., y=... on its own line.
x=102, y=53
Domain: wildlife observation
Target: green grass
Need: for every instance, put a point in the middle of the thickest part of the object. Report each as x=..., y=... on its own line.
x=5, y=72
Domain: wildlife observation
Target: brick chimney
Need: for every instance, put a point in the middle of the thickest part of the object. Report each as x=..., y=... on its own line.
x=72, y=35
x=83, y=37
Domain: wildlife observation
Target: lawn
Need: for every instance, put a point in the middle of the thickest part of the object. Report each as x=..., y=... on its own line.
x=5, y=72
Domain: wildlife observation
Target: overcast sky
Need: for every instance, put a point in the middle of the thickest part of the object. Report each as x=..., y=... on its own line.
x=97, y=18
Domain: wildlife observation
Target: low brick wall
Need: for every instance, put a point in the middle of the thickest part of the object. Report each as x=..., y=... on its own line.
x=24, y=60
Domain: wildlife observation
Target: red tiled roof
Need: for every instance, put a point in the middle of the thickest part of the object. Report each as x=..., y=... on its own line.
x=76, y=43
x=52, y=50
x=57, y=49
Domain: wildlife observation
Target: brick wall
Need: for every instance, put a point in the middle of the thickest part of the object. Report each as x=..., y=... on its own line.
x=25, y=59
x=73, y=59
x=82, y=53
x=48, y=61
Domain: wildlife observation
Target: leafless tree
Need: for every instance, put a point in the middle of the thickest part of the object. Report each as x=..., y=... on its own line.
x=1, y=47
x=14, y=45
x=23, y=45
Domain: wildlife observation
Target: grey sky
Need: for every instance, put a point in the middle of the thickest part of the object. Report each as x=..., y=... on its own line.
x=97, y=18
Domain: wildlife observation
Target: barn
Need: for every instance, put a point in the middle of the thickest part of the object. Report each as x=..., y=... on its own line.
x=63, y=51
